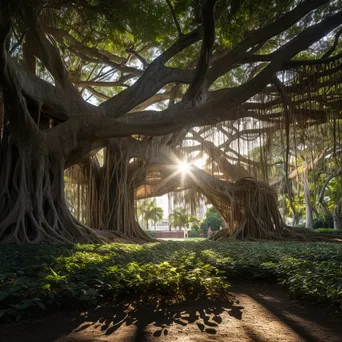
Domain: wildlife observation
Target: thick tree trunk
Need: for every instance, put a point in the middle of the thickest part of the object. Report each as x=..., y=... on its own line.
x=32, y=203
x=111, y=198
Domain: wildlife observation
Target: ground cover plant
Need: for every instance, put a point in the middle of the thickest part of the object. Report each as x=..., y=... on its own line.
x=42, y=277
x=329, y=231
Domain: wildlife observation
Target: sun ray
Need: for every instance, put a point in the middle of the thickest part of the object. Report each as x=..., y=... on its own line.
x=184, y=167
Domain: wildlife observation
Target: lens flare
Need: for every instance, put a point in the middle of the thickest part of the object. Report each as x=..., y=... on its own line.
x=184, y=167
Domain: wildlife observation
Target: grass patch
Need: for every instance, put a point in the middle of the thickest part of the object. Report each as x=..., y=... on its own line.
x=44, y=277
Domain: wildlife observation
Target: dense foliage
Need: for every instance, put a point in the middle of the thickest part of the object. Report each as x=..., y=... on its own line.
x=36, y=278
x=212, y=219
x=147, y=211
x=47, y=277
x=179, y=218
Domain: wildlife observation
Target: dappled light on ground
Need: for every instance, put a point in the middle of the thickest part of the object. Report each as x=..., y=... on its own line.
x=53, y=278
x=261, y=312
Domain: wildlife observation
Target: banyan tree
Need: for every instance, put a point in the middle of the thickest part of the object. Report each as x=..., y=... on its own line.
x=107, y=98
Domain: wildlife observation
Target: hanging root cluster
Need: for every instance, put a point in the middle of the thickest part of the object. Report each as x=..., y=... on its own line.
x=251, y=213
x=250, y=210
x=298, y=115
x=32, y=204
x=108, y=195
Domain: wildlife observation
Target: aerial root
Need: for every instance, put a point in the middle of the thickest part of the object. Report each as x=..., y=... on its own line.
x=252, y=214
x=34, y=209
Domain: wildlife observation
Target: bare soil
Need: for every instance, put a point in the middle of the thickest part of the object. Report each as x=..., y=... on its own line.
x=261, y=312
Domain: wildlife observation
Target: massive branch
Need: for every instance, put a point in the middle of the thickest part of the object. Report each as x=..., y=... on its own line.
x=221, y=105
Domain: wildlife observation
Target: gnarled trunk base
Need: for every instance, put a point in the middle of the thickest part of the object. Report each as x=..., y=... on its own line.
x=252, y=213
x=32, y=203
x=111, y=198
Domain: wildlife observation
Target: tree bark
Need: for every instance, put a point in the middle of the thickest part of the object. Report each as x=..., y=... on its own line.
x=32, y=203
x=111, y=197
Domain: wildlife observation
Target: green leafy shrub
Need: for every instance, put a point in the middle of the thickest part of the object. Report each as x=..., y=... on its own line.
x=176, y=280
x=323, y=221
x=328, y=231
x=89, y=275
x=42, y=277
x=194, y=233
x=318, y=280
x=212, y=219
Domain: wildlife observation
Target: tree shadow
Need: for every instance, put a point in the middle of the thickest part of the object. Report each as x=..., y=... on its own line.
x=214, y=319
x=140, y=321
x=206, y=314
x=308, y=320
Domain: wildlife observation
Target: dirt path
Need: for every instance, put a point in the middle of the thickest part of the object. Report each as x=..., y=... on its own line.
x=261, y=313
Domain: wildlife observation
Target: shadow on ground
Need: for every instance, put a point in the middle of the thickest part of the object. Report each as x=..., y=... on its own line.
x=309, y=321
x=206, y=315
x=262, y=312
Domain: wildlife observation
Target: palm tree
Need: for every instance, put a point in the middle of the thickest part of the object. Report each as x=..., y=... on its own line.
x=148, y=210
x=141, y=207
x=155, y=214
x=180, y=218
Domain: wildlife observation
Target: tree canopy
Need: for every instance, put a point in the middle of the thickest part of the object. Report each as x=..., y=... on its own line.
x=157, y=83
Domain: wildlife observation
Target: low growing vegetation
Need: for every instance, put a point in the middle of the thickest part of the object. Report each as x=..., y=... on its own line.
x=329, y=231
x=42, y=277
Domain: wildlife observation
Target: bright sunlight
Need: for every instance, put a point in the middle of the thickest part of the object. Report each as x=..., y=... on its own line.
x=184, y=167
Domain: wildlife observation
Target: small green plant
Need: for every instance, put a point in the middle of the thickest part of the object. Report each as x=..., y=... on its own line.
x=177, y=280
x=91, y=274
x=41, y=277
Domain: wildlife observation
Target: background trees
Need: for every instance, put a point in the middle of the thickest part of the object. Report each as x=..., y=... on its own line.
x=179, y=218
x=148, y=211
x=212, y=219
